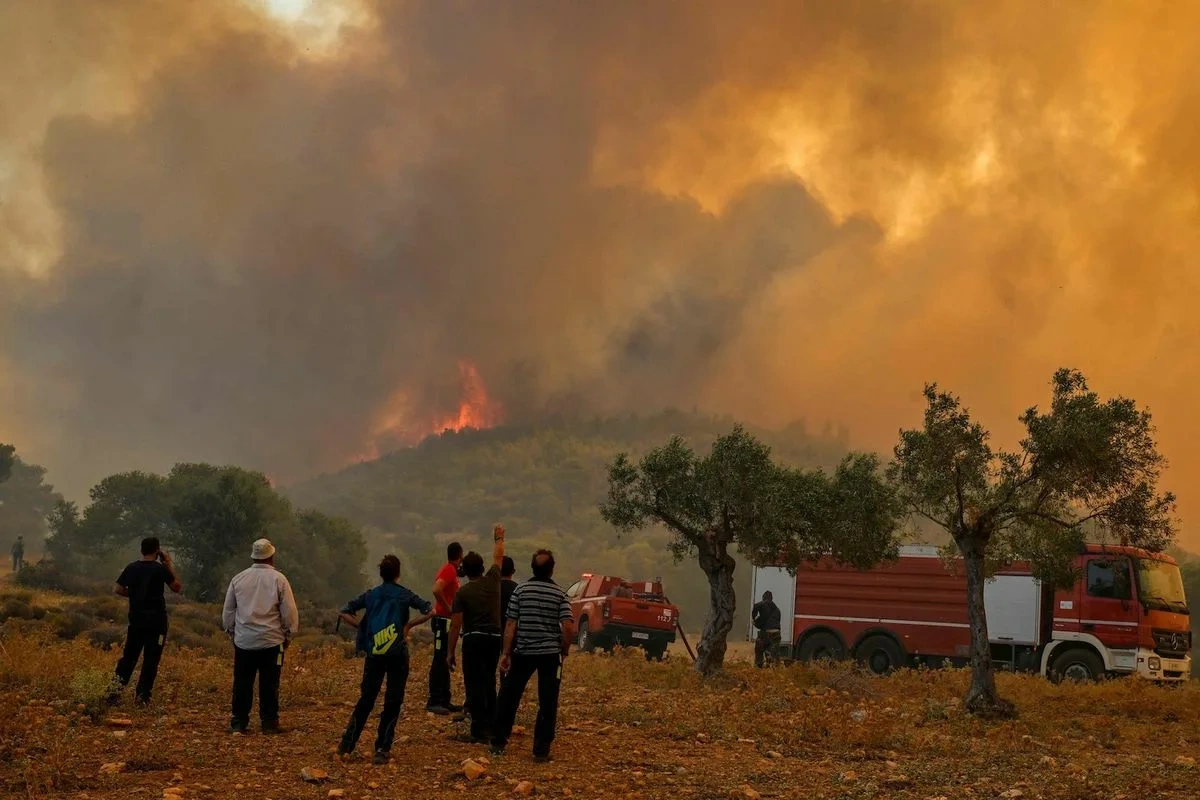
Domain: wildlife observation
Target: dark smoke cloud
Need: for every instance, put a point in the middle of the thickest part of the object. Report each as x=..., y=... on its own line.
x=255, y=248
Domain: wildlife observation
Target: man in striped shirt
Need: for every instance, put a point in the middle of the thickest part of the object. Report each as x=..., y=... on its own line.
x=538, y=635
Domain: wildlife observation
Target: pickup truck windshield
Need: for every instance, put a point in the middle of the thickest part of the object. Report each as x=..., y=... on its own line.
x=1160, y=586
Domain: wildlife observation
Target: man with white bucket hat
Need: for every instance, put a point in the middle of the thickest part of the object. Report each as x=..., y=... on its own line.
x=260, y=616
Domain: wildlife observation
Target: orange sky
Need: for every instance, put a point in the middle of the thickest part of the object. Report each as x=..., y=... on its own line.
x=997, y=190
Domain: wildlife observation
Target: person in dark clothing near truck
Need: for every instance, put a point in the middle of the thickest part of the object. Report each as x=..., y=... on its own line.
x=766, y=618
x=143, y=582
x=383, y=636
x=445, y=586
x=476, y=615
x=18, y=554
x=536, y=640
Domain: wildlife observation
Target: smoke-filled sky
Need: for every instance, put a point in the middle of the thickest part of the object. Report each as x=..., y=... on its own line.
x=231, y=237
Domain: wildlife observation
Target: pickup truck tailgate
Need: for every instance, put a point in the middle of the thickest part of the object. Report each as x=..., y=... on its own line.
x=641, y=613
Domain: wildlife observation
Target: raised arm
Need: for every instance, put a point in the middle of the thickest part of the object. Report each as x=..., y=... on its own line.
x=498, y=546
x=175, y=584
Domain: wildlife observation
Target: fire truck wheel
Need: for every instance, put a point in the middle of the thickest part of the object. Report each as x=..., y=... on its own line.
x=585, y=643
x=820, y=646
x=880, y=654
x=1077, y=664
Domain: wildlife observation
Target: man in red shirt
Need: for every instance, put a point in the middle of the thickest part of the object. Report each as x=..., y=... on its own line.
x=444, y=589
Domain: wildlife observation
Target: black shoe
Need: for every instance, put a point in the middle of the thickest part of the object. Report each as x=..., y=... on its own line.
x=344, y=751
x=460, y=718
x=497, y=750
x=382, y=757
x=441, y=711
x=238, y=729
x=453, y=708
x=542, y=758
x=466, y=738
x=142, y=700
x=272, y=729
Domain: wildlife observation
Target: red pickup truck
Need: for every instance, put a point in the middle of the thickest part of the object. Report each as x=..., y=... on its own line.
x=610, y=611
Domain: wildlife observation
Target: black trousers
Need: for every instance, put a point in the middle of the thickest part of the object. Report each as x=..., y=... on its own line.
x=480, y=654
x=267, y=666
x=549, y=672
x=439, y=670
x=146, y=643
x=18, y=561
x=766, y=643
x=394, y=667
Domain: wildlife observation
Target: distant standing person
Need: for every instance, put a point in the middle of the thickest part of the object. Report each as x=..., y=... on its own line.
x=383, y=636
x=445, y=587
x=766, y=618
x=260, y=615
x=18, y=554
x=476, y=614
x=507, y=584
x=537, y=639
x=143, y=582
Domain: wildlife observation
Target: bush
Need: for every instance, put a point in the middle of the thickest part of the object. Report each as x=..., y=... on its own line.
x=69, y=624
x=90, y=688
x=20, y=608
x=48, y=575
x=106, y=636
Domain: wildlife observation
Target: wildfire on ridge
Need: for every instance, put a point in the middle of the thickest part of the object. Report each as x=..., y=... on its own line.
x=396, y=425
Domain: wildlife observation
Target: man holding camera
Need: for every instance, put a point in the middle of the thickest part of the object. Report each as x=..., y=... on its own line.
x=143, y=582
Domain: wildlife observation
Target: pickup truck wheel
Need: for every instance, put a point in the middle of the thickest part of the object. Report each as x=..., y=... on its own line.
x=1077, y=664
x=821, y=646
x=586, y=644
x=880, y=654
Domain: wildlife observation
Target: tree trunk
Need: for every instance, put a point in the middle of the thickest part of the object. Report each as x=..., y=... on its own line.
x=982, y=698
x=718, y=567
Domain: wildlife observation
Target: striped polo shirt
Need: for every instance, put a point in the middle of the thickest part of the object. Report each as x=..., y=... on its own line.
x=539, y=608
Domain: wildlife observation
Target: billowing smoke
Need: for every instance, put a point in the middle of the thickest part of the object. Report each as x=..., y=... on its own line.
x=226, y=239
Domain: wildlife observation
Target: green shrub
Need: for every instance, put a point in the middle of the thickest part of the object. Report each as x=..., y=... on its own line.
x=69, y=624
x=90, y=688
x=47, y=575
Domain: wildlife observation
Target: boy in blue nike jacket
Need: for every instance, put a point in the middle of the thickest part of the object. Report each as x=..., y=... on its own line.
x=383, y=636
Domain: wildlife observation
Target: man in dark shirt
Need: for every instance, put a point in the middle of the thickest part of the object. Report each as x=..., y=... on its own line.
x=766, y=618
x=538, y=636
x=143, y=582
x=387, y=607
x=507, y=584
x=476, y=614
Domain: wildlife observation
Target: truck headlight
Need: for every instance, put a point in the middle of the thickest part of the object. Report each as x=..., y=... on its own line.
x=1154, y=663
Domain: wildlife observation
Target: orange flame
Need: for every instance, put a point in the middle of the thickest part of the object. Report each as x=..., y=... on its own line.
x=395, y=426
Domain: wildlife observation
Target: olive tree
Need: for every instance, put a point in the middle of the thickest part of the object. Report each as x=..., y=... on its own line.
x=738, y=498
x=1085, y=467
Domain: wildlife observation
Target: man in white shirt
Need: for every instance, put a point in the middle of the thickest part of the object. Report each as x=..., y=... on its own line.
x=260, y=616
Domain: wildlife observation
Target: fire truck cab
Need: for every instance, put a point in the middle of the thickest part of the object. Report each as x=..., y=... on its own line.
x=1127, y=614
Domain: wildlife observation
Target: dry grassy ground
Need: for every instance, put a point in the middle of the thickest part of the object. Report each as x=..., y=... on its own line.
x=627, y=729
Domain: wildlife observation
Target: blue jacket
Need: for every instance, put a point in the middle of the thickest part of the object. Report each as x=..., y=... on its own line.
x=369, y=599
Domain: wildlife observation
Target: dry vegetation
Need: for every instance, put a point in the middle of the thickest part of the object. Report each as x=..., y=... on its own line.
x=628, y=728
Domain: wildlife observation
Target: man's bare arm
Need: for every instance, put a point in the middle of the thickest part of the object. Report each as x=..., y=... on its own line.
x=456, y=621
x=120, y=591
x=439, y=587
x=498, y=545
x=174, y=585
x=349, y=619
x=568, y=635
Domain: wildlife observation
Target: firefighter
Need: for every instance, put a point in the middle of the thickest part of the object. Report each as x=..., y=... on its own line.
x=766, y=618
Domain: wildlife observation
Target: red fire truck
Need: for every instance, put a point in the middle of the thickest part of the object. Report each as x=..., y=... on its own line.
x=1127, y=614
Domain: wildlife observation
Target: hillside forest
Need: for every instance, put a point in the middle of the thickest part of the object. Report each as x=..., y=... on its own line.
x=543, y=481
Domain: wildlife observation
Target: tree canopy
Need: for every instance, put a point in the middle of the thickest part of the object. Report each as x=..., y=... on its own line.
x=6, y=461
x=738, y=498
x=209, y=516
x=1085, y=468
x=25, y=500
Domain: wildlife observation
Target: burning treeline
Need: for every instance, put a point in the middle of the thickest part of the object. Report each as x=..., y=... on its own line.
x=238, y=240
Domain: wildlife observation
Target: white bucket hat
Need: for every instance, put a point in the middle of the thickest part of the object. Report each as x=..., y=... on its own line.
x=262, y=550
